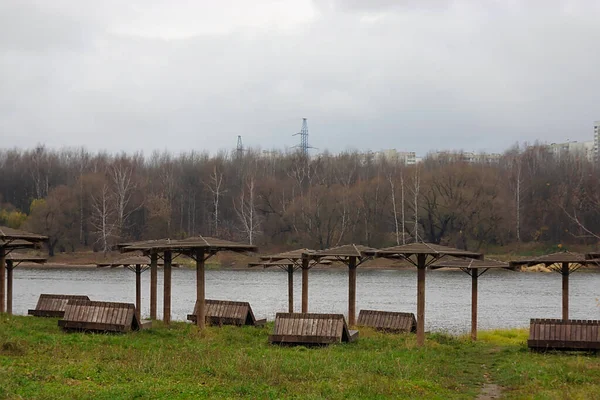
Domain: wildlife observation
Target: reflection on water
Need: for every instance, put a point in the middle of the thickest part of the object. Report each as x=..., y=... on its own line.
x=506, y=299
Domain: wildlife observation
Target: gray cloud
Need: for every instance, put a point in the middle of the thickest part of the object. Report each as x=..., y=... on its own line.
x=145, y=77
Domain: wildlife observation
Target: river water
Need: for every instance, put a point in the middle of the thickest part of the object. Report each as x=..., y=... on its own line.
x=506, y=299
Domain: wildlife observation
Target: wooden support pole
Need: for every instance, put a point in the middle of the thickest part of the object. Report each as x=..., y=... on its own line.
x=138, y=291
x=2, y=279
x=565, y=291
x=474, y=276
x=352, y=291
x=304, y=283
x=153, y=284
x=200, y=289
x=9, y=285
x=167, y=288
x=421, y=259
x=290, y=270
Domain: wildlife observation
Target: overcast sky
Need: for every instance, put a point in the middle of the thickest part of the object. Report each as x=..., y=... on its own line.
x=414, y=75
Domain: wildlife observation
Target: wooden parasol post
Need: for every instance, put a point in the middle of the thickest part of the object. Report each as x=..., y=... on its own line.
x=304, y=283
x=9, y=286
x=565, y=290
x=352, y=291
x=290, y=271
x=153, y=283
x=138, y=291
x=2, y=279
x=200, y=289
x=421, y=260
x=474, y=276
x=167, y=287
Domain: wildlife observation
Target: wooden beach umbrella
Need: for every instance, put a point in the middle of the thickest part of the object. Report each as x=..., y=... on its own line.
x=198, y=248
x=13, y=260
x=291, y=261
x=351, y=255
x=139, y=265
x=565, y=263
x=422, y=255
x=12, y=239
x=475, y=268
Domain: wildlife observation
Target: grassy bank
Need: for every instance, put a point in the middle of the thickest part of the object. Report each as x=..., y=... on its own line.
x=37, y=360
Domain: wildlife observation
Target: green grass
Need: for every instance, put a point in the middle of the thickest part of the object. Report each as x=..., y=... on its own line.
x=37, y=360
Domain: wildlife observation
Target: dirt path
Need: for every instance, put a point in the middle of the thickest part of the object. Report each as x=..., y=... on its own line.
x=489, y=390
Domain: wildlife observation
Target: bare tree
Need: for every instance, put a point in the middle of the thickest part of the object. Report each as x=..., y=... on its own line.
x=121, y=176
x=415, y=189
x=215, y=185
x=246, y=211
x=103, y=218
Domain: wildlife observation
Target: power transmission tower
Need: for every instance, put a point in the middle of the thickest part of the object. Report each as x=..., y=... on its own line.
x=239, y=150
x=303, y=146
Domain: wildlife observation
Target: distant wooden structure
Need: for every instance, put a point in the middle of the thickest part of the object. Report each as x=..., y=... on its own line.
x=352, y=255
x=421, y=255
x=565, y=263
x=139, y=265
x=557, y=334
x=388, y=321
x=13, y=260
x=54, y=305
x=290, y=261
x=13, y=239
x=198, y=248
x=311, y=329
x=474, y=268
x=223, y=312
x=101, y=316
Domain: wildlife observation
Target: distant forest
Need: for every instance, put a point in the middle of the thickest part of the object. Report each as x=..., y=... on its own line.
x=84, y=200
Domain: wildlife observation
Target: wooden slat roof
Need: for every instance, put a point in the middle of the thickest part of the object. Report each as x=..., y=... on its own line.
x=196, y=242
x=554, y=258
x=468, y=263
x=282, y=263
x=7, y=233
x=423, y=248
x=21, y=257
x=136, y=260
x=287, y=255
x=348, y=250
x=17, y=244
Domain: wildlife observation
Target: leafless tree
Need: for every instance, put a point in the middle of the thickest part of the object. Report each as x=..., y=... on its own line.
x=103, y=218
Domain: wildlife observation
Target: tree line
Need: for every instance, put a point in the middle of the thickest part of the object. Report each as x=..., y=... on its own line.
x=284, y=199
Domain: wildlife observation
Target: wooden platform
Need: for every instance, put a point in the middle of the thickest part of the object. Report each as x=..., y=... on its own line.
x=224, y=312
x=558, y=334
x=388, y=321
x=53, y=305
x=101, y=316
x=309, y=328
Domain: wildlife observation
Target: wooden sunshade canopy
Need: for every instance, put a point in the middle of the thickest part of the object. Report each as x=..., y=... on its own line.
x=139, y=265
x=352, y=255
x=422, y=255
x=475, y=268
x=12, y=239
x=199, y=248
x=13, y=260
x=565, y=263
x=290, y=261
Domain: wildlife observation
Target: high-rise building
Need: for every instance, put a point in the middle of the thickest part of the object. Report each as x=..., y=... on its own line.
x=596, y=141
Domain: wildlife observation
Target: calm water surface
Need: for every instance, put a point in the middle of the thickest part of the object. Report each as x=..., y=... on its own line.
x=506, y=299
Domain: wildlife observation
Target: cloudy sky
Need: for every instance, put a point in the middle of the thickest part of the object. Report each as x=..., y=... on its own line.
x=408, y=74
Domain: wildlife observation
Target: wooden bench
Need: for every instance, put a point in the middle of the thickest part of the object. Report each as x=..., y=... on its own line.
x=388, y=321
x=309, y=328
x=101, y=316
x=53, y=305
x=224, y=312
x=558, y=334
